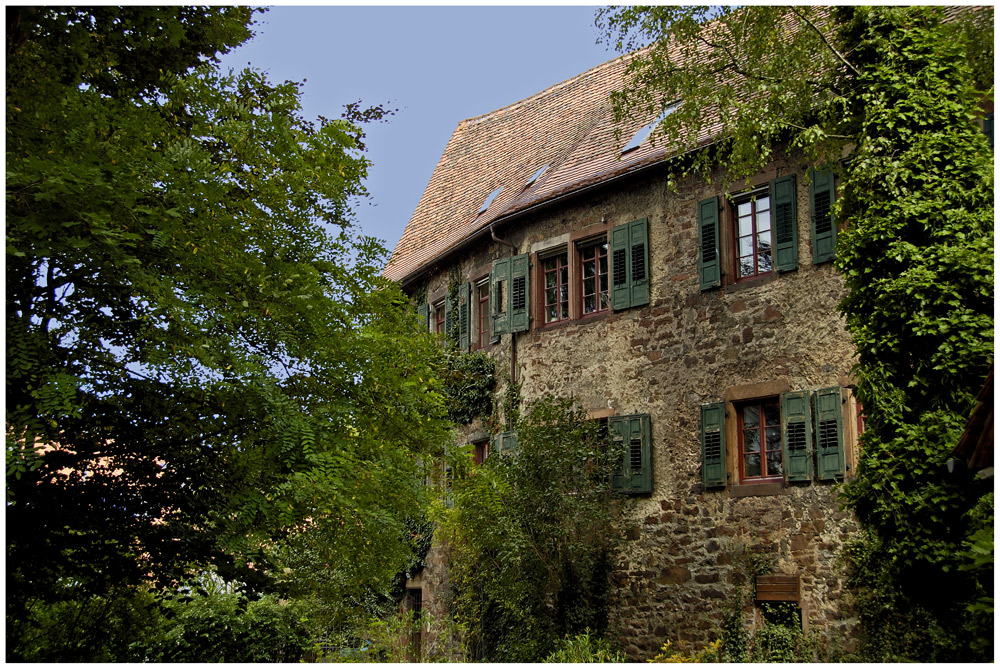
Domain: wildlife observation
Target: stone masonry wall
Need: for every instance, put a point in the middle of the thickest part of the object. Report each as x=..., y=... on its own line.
x=686, y=348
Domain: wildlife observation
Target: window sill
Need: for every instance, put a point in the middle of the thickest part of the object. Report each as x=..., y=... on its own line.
x=750, y=283
x=758, y=489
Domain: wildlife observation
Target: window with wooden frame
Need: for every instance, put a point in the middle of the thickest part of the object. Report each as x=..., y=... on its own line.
x=759, y=434
x=555, y=271
x=482, y=313
x=752, y=232
x=480, y=451
x=439, y=317
x=594, y=277
x=780, y=436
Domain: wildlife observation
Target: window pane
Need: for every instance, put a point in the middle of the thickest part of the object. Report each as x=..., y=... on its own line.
x=752, y=465
x=746, y=267
x=589, y=269
x=550, y=295
x=764, y=260
x=589, y=304
x=771, y=414
x=746, y=246
x=774, y=467
x=550, y=279
x=745, y=226
x=764, y=202
x=744, y=208
x=751, y=416
x=773, y=437
x=763, y=220
x=564, y=273
x=563, y=293
x=764, y=239
x=751, y=441
x=550, y=313
x=589, y=287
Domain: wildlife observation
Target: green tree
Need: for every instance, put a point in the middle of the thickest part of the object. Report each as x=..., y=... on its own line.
x=204, y=365
x=900, y=90
x=532, y=536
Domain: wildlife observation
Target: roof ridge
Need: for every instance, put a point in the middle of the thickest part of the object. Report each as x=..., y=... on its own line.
x=548, y=91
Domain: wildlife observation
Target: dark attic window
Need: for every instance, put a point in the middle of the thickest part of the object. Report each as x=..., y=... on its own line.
x=489, y=200
x=640, y=136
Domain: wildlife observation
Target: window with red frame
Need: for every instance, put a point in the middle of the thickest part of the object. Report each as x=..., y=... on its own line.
x=556, y=271
x=483, y=310
x=439, y=317
x=753, y=237
x=760, y=441
x=594, y=277
x=480, y=451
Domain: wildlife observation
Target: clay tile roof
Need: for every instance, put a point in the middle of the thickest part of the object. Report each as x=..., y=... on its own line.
x=568, y=127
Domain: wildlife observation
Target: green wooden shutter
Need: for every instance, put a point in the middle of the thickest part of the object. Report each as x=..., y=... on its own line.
x=821, y=198
x=638, y=262
x=464, y=298
x=796, y=435
x=785, y=227
x=633, y=436
x=621, y=294
x=829, y=434
x=504, y=443
x=424, y=311
x=713, y=445
x=709, y=265
x=499, y=289
x=518, y=309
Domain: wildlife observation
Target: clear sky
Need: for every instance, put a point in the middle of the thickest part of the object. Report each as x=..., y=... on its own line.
x=438, y=65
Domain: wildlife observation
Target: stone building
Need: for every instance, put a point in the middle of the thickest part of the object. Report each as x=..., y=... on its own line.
x=702, y=324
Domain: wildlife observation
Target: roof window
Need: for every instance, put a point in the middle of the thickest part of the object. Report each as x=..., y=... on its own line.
x=489, y=200
x=534, y=177
x=643, y=132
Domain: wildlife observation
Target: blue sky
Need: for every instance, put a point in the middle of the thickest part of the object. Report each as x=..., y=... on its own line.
x=438, y=65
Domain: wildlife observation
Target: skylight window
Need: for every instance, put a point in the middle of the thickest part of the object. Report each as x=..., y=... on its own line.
x=534, y=177
x=489, y=200
x=643, y=133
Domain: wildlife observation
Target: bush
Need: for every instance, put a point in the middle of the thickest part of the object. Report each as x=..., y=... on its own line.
x=584, y=648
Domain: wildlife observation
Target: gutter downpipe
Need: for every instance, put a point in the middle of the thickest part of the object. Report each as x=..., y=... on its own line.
x=513, y=338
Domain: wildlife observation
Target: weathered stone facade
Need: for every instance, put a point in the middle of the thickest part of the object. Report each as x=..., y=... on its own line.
x=687, y=347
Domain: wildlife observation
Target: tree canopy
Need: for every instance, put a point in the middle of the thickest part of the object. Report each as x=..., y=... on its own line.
x=891, y=98
x=204, y=365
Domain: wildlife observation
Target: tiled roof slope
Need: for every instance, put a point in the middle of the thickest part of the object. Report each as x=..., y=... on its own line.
x=568, y=127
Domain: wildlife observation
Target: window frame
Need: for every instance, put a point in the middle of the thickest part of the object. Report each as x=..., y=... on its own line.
x=752, y=198
x=438, y=323
x=482, y=288
x=581, y=248
x=562, y=275
x=761, y=428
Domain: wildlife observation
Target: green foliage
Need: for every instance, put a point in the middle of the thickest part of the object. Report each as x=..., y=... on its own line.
x=735, y=636
x=86, y=628
x=205, y=365
x=533, y=537
x=680, y=654
x=468, y=383
x=584, y=648
x=901, y=90
x=208, y=621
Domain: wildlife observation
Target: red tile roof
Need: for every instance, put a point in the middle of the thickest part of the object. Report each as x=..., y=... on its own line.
x=568, y=127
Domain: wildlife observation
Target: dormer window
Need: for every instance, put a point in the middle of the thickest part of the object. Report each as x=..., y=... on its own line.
x=489, y=200
x=644, y=132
